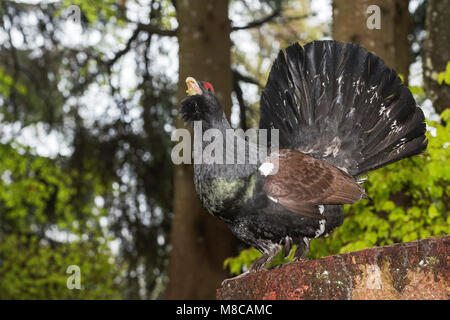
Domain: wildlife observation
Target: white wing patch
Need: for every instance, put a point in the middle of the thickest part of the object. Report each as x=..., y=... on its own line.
x=266, y=168
x=273, y=199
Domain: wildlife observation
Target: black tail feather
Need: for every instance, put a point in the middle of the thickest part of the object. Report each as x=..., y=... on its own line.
x=340, y=103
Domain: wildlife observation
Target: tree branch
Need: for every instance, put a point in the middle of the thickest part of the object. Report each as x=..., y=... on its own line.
x=242, y=107
x=259, y=22
x=124, y=50
x=237, y=76
x=141, y=27
x=154, y=30
x=240, y=77
x=300, y=17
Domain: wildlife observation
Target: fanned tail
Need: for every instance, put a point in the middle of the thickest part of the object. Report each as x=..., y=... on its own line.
x=340, y=103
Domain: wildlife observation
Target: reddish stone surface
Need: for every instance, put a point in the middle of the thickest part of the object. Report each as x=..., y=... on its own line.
x=412, y=270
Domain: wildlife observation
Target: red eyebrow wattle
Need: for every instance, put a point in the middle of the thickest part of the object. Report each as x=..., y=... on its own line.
x=209, y=85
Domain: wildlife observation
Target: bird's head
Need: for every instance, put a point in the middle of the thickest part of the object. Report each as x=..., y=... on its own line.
x=201, y=104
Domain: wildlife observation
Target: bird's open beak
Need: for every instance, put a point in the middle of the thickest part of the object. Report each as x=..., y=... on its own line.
x=192, y=87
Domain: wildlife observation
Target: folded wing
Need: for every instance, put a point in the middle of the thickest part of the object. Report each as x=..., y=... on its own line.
x=302, y=183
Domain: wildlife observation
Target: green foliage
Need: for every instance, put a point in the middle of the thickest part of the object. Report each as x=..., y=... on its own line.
x=7, y=83
x=119, y=156
x=411, y=201
x=243, y=260
x=417, y=90
x=444, y=76
x=41, y=233
x=33, y=269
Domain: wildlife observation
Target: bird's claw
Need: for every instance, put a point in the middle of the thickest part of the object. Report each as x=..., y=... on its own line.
x=224, y=282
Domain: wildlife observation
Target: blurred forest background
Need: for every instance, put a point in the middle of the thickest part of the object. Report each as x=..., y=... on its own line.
x=88, y=105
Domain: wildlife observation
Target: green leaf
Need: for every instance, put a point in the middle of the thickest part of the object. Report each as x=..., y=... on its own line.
x=432, y=211
x=440, y=77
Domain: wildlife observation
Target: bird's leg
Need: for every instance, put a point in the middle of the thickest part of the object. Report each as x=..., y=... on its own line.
x=259, y=263
x=287, y=246
x=266, y=257
x=302, y=249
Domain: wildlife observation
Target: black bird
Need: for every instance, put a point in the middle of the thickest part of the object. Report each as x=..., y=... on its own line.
x=341, y=112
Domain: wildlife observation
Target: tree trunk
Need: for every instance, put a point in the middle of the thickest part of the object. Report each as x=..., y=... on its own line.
x=200, y=242
x=437, y=52
x=390, y=42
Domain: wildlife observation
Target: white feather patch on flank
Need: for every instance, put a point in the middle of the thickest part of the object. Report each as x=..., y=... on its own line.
x=266, y=168
x=273, y=199
x=362, y=180
x=321, y=228
x=321, y=208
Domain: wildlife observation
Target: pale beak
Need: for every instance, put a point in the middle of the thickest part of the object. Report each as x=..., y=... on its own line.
x=192, y=87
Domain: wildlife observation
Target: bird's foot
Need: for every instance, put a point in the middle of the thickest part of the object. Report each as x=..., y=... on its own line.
x=295, y=260
x=298, y=259
x=224, y=282
x=260, y=263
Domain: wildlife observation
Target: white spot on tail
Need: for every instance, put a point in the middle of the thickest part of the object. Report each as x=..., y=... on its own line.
x=356, y=85
x=266, y=168
x=374, y=97
x=350, y=113
x=395, y=128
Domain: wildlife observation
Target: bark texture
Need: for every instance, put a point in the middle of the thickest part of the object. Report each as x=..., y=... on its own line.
x=390, y=42
x=200, y=242
x=437, y=52
x=406, y=271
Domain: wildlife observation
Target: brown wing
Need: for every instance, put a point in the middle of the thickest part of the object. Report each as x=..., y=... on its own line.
x=303, y=182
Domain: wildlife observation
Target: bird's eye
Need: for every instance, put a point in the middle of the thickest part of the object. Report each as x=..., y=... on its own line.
x=208, y=86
